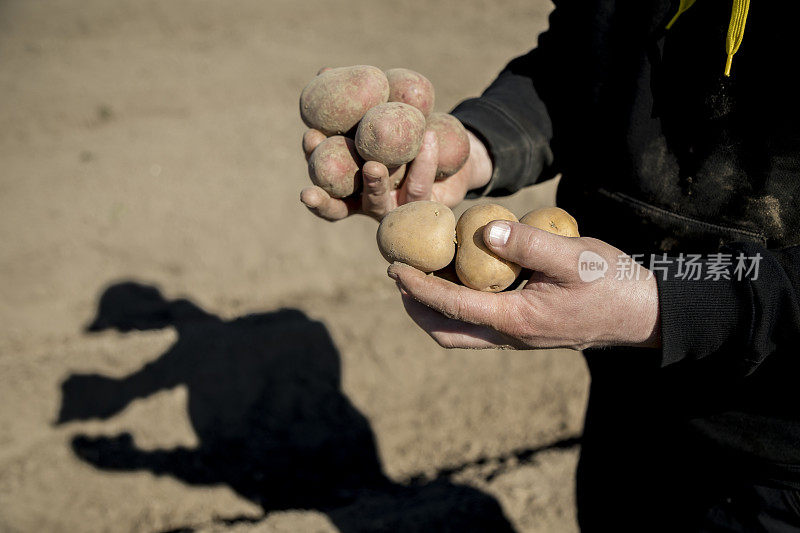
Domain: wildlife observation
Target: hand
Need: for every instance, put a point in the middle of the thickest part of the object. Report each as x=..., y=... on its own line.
x=554, y=309
x=379, y=196
x=113, y=453
x=85, y=396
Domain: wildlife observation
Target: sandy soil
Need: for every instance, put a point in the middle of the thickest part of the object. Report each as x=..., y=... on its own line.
x=256, y=371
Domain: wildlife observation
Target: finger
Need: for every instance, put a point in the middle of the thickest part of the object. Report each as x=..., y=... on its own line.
x=375, y=196
x=539, y=250
x=397, y=176
x=422, y=171
x=449, y=299
x=322, y=205
x=311, y=138
x=451, y=333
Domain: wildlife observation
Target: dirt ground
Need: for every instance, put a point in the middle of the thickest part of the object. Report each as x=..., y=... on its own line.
x=255, y=370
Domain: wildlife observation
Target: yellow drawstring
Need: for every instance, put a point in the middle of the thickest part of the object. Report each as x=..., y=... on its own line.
x=735, y=31
x=735, y=27
x=684, y=5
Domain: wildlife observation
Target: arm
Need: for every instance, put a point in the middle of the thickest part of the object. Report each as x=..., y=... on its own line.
x=748, y=317
x=513, y=123
x=744, y=318
x=517, y=116
x=85, y=396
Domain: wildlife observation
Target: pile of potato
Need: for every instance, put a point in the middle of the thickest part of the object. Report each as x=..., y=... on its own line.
x=425, y=235
x=367, y=114
x=371, y=115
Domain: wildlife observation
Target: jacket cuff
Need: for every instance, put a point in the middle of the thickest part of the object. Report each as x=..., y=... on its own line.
x=509, y=144
x=701, y=317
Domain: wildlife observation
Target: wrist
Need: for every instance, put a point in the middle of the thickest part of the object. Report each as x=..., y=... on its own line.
x=480, y=163
x=645, y=328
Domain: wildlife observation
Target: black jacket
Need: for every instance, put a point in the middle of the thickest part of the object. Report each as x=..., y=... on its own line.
x=659, y=152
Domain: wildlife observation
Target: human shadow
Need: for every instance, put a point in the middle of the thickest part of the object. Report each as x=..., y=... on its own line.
x=272, y=422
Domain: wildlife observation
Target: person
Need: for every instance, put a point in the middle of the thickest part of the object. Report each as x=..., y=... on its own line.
x=265, y=401
x=674, y=127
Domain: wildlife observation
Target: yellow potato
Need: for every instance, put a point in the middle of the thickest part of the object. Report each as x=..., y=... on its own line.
x=420, y=234
x=552, y=219
x=476, y=266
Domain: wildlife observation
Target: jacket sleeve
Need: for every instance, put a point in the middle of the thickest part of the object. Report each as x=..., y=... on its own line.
x=746, y=312
x=513, y=123
x=511, y=117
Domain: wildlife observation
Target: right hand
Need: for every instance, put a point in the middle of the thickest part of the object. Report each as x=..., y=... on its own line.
x=378, y=196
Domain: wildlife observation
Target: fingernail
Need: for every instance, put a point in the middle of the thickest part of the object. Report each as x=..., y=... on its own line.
x=372, y=181
x=309, y=198
x=498, y=233
x=394, y=268
x=402, y=289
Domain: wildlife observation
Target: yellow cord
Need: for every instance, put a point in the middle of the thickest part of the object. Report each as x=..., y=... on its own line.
x=684, y=5
x=735, y=31
x=735, y=27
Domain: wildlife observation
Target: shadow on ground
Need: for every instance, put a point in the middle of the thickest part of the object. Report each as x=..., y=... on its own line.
x=266, y=403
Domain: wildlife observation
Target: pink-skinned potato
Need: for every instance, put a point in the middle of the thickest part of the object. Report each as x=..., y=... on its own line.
x=336, y=99
x=391, y=134
x=412, y=88
x=335, y=167
x=453, y=143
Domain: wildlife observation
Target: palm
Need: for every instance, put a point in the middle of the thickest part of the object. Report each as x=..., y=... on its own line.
x=451, y=191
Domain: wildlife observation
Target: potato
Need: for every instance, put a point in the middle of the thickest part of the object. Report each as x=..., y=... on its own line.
x=453, y=143
x=334, y=166
x=337, y=98
x=390, y=133
x=411, y=88
x=476, y=266
x=420, y=234
x=552, y=219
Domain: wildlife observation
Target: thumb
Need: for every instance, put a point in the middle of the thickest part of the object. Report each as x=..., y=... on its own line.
x=529, y=247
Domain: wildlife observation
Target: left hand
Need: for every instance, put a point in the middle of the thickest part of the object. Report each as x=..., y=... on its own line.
x=379, y=196
x=554, y=309
x=85, y=396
